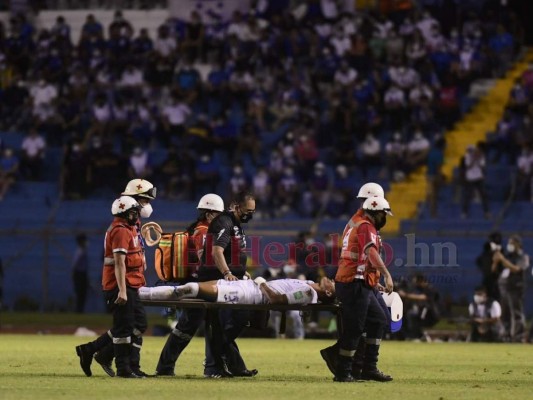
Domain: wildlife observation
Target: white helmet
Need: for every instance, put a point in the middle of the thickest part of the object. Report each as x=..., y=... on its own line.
x=211, y=202
x=370, y=189
x=377, y=203
x=141, y=188
x=123, y=204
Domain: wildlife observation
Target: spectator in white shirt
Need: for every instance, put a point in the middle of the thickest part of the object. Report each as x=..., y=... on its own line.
x=395, y=105
x=417, y=150
x=426, y=23
x=525, y=173
x=174, y=116
x=33, y=151
x=102, y=112
x=485, y=314
x=370, y=153
x=43, y=96
x=435, y=41
x=474, y=179
x=418, y=92
x=132, y=77
x=139, y=164
x=395, y=150
x=407, y=28
x=346, y=75
x=323, y=28
x=340, y=42
x=383, y=27
x=404, y=77
x=329, y=8
x=348, y=24
x=394, y=97
x=238, y=27
x=165, y=45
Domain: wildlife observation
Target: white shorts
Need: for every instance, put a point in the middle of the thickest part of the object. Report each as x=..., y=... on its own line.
x=239, y=292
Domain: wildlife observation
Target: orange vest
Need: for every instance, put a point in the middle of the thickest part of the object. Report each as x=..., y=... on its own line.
x=124, y=238
x=353, y=262
x=198, y=236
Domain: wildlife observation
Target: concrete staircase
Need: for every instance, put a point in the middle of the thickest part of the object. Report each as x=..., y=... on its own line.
x=483, y=117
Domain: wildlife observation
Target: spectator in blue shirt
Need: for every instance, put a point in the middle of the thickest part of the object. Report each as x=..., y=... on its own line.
x=92, y=27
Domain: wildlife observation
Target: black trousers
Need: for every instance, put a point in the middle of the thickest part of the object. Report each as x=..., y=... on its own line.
x=126, y=317
x=361, y=312
x=231, y=323
x=385, y=309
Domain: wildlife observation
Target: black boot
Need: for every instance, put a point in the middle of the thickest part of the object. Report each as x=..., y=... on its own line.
x=370, y=372
x=357, y=364
x=122, y=360
x=105, y=358
x=236, y=364
x=85, y=354
x=170, y=354
x=330, y=355
x=343, y=371
x=86, y=351
x=135, y=357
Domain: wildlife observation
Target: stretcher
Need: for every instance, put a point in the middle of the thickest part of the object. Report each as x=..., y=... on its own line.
x=212, y=307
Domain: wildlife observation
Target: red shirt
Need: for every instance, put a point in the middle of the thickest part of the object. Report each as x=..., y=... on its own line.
x=123, y=238
x=358, y=236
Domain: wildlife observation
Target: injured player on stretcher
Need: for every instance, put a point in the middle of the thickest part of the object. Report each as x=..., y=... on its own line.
x=258, y=291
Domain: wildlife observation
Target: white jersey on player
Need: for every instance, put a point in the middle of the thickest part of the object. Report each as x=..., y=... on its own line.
x=237, y=292
x=247, y=292
x=296, y=290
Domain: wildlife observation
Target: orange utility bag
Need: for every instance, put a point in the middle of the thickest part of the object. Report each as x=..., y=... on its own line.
x=175, y=259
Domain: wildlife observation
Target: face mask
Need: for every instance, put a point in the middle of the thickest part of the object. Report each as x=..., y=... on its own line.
x=511, y=248
x=495, y=246
x=246, y=217
x=380, y=221
x=146, y=211
x=478, y=299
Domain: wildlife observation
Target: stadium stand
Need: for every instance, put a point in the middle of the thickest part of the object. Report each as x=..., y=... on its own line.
x=269, y=89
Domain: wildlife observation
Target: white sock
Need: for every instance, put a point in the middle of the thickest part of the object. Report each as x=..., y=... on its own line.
x=187, y=291
x=160, y=293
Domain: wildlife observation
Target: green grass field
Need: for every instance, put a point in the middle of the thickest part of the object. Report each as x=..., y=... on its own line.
x=46, y=367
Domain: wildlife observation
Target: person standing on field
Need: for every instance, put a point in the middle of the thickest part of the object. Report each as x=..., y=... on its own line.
x=209, y=206
x=123, y=275
x=360, y=268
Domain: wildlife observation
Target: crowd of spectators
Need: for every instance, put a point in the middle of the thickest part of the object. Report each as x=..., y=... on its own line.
x=512, y=141
x=294, y=102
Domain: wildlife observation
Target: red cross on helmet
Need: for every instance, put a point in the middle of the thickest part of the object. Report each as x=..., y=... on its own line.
x=377, y=203
x=370, y=189
x=123, y=204
x=140, y=188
